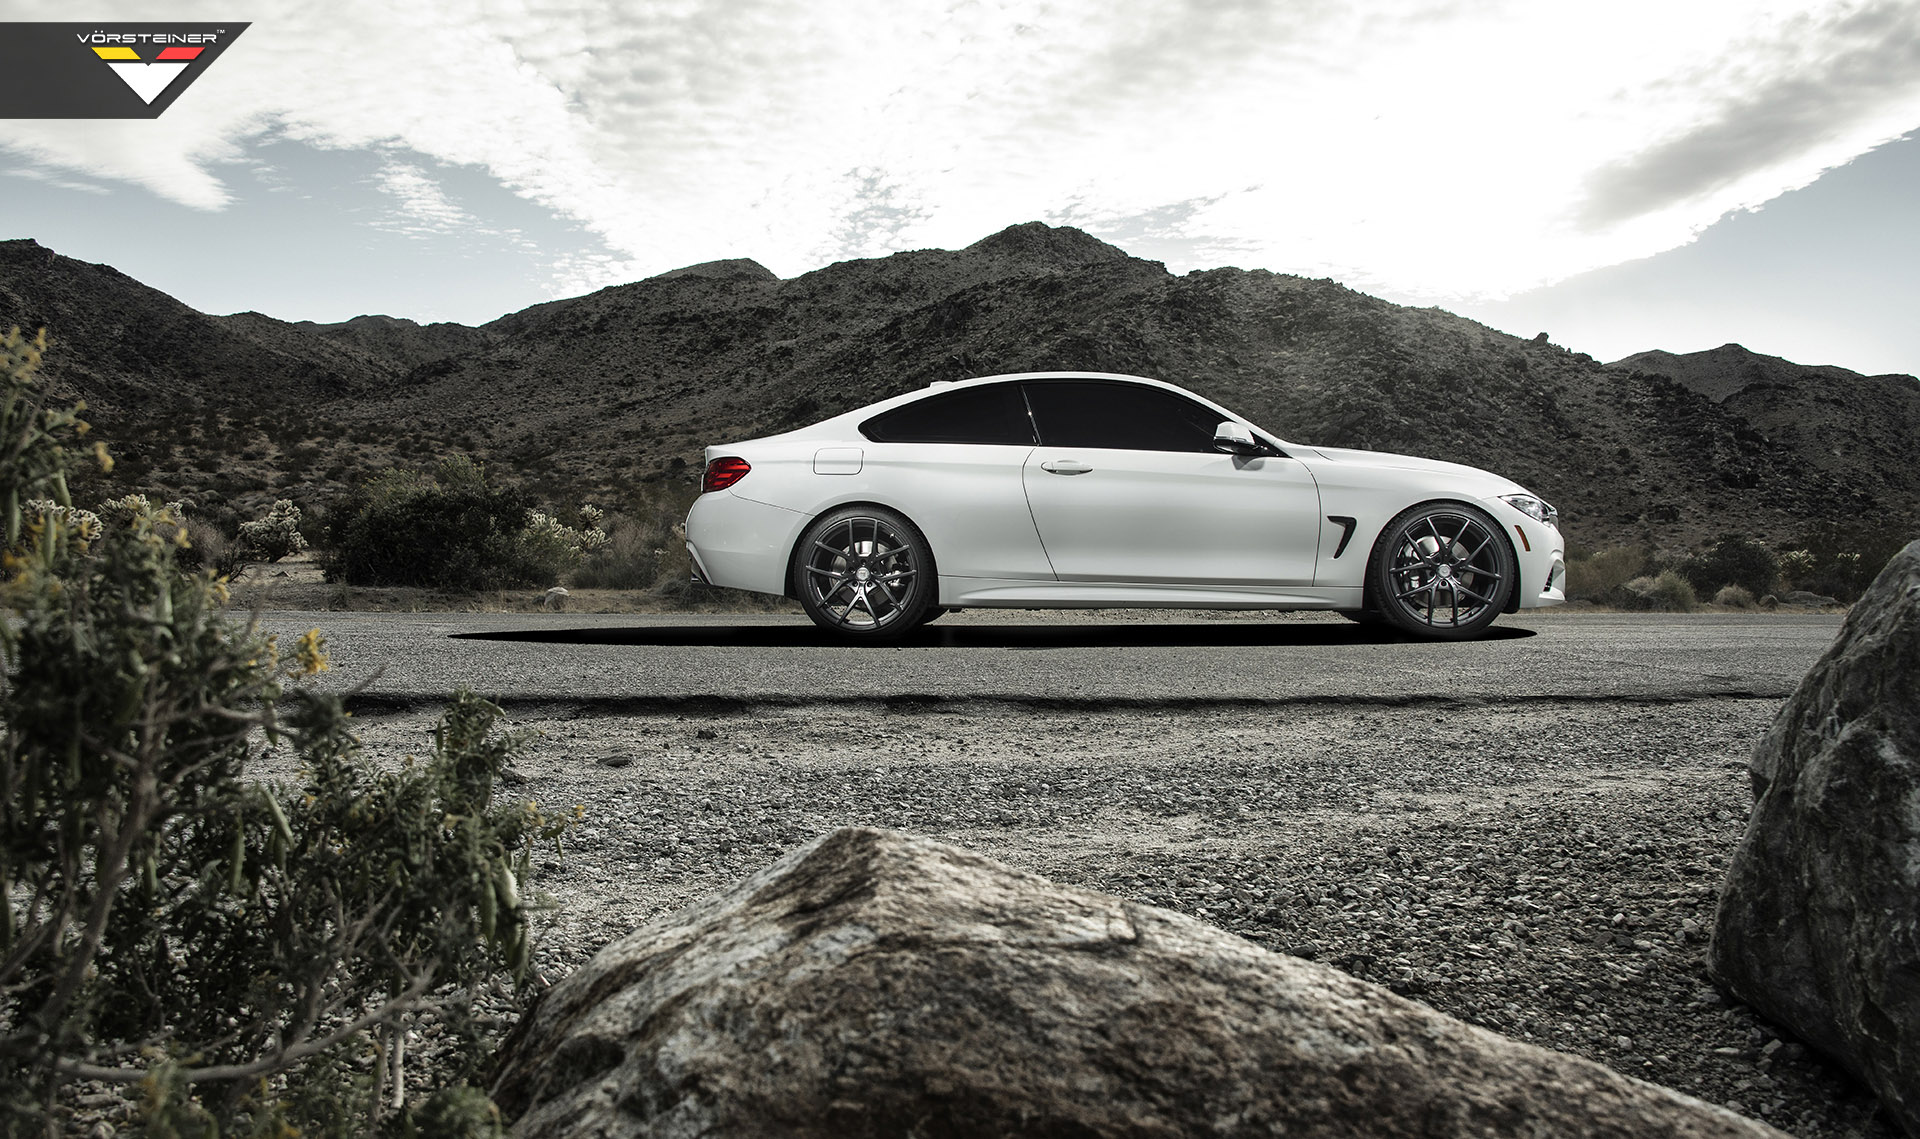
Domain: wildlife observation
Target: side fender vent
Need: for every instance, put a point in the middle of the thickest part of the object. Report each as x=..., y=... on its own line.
x=1346, y=532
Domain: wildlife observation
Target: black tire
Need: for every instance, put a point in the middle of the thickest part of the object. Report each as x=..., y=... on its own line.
x=934, y=613
x=1442, y=570
x=865, y=574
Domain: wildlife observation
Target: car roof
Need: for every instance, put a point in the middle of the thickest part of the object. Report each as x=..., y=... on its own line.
x=938, y=386
x=850, y=420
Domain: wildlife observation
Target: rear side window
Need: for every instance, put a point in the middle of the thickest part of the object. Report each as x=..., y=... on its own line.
x=994, y=413
x=1132, y=417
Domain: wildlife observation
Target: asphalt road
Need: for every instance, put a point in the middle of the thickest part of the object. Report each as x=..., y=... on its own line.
x=1120, y=659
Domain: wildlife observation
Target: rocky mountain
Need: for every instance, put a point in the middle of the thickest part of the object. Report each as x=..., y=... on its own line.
x=1858, y=431
x=612, y=395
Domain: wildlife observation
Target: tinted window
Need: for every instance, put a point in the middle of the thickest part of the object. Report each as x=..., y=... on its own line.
x=1090, y=413
x=991, y=414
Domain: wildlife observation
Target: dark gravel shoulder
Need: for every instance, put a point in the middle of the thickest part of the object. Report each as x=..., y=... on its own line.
x=1544, y=869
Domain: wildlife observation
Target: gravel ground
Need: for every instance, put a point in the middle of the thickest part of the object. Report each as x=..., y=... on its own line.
x=1545, y=869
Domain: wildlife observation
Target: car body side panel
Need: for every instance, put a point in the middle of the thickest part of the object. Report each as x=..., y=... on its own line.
x=966, y=498
x=742, y=544
x=1202, y=519
x=1373, y=494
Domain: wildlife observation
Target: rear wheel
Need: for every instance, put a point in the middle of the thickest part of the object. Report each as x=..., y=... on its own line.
x=864, y=573
x=1442, y=570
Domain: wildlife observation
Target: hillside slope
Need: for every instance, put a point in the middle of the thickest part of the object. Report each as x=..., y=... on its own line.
x=613, y=394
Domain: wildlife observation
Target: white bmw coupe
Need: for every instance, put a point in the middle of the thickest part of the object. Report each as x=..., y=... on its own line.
x=1089, y=490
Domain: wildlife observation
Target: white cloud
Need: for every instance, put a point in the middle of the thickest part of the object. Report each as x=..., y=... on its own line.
x=1424, y=148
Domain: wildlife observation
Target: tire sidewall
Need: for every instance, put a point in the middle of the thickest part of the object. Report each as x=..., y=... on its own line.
x=1381, y=589
x=919, y=598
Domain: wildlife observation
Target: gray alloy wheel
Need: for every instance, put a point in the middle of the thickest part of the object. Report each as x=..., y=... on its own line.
x=865, y=573
x=1442, y=570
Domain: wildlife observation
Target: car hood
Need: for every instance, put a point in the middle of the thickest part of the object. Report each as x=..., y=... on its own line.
x=1351, y=456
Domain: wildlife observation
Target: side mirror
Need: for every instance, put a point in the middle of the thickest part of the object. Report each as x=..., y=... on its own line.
x=1234, y=439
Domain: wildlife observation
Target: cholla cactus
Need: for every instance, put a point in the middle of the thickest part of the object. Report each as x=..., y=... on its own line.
x=546, y=530
x=275, y=536
x=78, y=523
x=1797, y=567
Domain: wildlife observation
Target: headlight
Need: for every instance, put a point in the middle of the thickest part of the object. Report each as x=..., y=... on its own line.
x=1535, y=508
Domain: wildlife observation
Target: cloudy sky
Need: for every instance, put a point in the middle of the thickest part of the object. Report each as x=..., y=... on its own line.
x=1635, y=174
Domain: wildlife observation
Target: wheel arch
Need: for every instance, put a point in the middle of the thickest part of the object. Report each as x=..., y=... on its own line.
x=793, y=552
x=1506, y=540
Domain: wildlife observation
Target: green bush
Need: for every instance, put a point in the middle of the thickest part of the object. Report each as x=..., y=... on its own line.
x=1733, y=559
x=166, y=921
x=1734, y=597
x=446, y=528
x=1599, y=577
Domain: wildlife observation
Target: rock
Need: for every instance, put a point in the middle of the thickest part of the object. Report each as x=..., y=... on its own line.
x=556, y=598
x=1817, y=927
x=1805, y=598
x=874, y=983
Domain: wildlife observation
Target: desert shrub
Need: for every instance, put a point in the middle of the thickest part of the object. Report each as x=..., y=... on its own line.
x=628, y=560
x=275, y=536
x=166, y=921
x=1666, y=591
x=1734, y=596
x=647, y=545
x=447, y=527
x=1600, y=576
x=1733, y=559
x=210, y=549
x=1840, y=560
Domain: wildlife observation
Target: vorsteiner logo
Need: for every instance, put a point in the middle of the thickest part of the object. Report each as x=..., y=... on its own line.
x=100, y=71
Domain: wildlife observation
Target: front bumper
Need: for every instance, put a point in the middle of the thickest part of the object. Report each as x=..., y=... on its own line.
x=1542, y=556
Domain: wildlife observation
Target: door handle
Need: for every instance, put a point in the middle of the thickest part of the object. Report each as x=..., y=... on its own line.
x=1065, y=467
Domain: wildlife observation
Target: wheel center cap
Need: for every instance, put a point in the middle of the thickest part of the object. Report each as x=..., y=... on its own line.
x=1446, y=572
x=862, y=574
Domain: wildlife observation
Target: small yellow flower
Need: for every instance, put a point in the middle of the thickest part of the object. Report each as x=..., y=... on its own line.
x=311, y=652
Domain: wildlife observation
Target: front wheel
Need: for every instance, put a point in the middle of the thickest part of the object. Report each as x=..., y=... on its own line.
x=1442, y=570
x=864, y=573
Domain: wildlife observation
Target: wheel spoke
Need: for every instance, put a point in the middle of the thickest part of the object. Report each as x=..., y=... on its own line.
x=862, y=572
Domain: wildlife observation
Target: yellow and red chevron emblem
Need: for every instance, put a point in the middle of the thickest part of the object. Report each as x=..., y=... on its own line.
x=59, y=70
x=148, y=79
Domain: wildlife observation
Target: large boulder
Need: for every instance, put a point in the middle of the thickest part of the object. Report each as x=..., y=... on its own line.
x=1819, y=924
x=874, y=983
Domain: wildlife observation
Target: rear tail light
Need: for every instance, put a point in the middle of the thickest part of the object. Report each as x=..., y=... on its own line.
x=723, y=473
